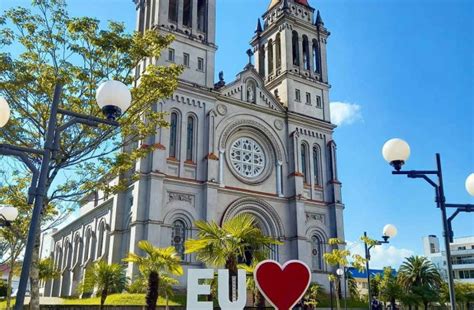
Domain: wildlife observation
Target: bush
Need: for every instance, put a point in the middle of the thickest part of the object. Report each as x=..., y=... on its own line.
x=3, y=288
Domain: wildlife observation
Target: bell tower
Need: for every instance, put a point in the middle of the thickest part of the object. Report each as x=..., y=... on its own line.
x=193, y=23
x=290, y=55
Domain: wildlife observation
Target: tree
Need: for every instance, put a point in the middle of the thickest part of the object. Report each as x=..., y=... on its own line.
x=340, y=256
x=238, y=239
x=352, y=286
x=106, y=279
x=47, y=270
x=389, y=288
x=419, y=276
x=258, y=299
x=156, y=263
x=79, y=53
x=13, y=238
x=464, y=294
x=140, y=285
x=313, y=294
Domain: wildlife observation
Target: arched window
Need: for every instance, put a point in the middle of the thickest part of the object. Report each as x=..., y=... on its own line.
x=88, y=244
x=59, y=257
x=296, y=49
x=316, y=57
x=201, y=11
x=148, y=14
x=77, y=250
x=306, y=56
x=316, y=253
x=68, y=254
x=188, y=13
x=101, y=234
x=261, y=60
x=178, y=237
x=93, y=245
x=317, y=165
x=278, y=50
x=190, y=139
x=304, y=162
x=270, y=56
x=173, y=10
x=173, y=135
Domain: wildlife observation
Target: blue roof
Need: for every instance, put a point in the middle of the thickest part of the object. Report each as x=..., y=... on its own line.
x=363, y=274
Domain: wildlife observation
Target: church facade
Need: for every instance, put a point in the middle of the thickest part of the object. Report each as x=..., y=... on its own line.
x=261, y=144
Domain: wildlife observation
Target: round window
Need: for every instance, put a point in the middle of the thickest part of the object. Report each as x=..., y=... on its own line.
x=247, y=157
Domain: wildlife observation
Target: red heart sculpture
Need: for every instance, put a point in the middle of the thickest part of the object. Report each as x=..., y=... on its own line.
x=283, y=286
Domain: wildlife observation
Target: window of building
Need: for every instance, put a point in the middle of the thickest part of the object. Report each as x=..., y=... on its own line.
x=173, y=135
x=316, y=253
x=261, y=60
x=278, y=51
x=461, y=248
x=100, y=246
x=171, y=55
x=201, y=11
x=270, y=56
x=298, y=95
x=308, y=98
x=188, y=13
x=200, y=64
x=251, y=91
x=432, y=248
x=88, y=244
x=318, y=102
x=304, y=163
x=190, y=139
x=317, y=165
x=178, y=237
x=247, y=157
x=316, y=64
x=306, y=57
x=186, y=59
x=173, y=11
x=295, y=48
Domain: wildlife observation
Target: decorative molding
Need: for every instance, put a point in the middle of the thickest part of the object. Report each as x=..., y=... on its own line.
x=278, y=124
x=221, y=109
x=175, y=196
x=318, y=217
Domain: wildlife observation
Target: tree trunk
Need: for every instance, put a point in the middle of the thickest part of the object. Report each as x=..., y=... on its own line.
x=152, y=293
x=167, y=300
x=34, y=275
x=231, y=265
x=103, y=297
x=260, y=301
x=9, y=281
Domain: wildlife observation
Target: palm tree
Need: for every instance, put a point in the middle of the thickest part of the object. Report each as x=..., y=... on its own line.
x=107, y=279
x=418, y=275
x=238, y=238
x=258, y=299
x=156, y=263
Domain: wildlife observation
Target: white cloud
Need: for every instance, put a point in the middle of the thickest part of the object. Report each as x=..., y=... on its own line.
x=381, y=255
x=344, y=113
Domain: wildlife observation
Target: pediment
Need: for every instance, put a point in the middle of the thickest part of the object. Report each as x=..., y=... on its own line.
x=249, y=87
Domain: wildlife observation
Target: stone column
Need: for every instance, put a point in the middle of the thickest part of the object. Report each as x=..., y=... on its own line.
x=278, y=178
x=221, y=167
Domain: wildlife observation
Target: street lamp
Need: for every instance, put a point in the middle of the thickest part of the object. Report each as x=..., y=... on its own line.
x=343, y=272
x=114, y=98
x=389, y=231
x=7, y=215
x=396, y=152
x=4, y=112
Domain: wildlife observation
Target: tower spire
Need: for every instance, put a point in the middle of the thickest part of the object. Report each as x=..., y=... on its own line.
x=259, y=27
x=319, y=20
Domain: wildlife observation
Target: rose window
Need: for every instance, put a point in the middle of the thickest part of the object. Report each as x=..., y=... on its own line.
x=247, y=157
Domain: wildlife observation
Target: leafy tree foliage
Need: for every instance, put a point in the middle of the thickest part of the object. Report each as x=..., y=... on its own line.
x=156, y=263
x=106, y=279
x=224, y=246
x=79, y=53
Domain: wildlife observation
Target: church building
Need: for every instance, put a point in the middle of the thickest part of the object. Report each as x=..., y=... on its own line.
x=261, y=144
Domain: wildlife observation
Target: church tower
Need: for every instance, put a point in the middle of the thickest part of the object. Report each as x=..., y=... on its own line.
x=193, y=23
x=290, y=55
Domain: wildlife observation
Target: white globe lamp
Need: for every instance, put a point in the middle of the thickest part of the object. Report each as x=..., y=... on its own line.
x=4, y=112
x=389, y=231
x=8, y=213
x=396, y=152
x=114, y=98
x=470, y=184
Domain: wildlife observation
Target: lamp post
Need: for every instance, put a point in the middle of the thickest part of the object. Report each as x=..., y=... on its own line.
x=389, y=231
x=7, y=215
x=113, y=98
x=396, y=152
x=343, y=272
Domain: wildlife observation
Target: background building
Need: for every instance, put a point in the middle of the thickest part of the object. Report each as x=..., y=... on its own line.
x=462, y=256
x=261, y=144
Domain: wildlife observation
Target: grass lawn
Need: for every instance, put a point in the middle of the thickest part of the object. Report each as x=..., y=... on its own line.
x=115, y=300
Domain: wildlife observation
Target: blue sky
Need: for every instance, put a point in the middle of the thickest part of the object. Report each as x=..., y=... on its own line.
x=405, y=69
